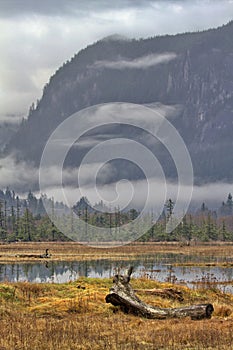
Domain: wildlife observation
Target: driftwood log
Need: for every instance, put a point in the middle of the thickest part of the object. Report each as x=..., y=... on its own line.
x=46, y=255
x=169, y=293
x=122, y=294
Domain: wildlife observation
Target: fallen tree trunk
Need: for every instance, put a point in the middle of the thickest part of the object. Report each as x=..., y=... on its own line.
x=46, y=255
x=169, y=293
x=123, y=295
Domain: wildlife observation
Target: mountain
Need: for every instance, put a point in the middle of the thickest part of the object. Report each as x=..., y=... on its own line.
x=7, y=131
x=192, y=70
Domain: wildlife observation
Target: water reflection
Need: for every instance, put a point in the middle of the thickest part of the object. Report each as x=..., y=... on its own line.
x=60, y=272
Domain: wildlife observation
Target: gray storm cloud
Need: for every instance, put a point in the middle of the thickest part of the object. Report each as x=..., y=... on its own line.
x=68, y=7
x=13, y=8
x=44, y=34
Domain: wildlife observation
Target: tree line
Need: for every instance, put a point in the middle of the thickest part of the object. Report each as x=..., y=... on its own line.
x=25, y=219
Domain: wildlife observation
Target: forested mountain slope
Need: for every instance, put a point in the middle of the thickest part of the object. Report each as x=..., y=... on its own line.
x=195, y=72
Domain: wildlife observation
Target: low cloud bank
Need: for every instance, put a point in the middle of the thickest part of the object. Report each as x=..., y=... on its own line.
x=143, y=62
x=22, y=177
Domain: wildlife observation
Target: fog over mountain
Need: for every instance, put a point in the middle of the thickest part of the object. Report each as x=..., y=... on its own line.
x=193, y=71
x=186, y=77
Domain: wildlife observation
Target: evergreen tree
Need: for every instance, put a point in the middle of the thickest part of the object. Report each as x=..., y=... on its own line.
x=229, y=204
x=2, y=230
x=169, y=208
x=186, y=229
x=13, y=220
x=8, y=197
x=133, y=214
x=223, y=231
x=227, y=208
x=32, y=203
x=211, y=231
x=17, y=217
x=222, y=209
x=5, y=217
x=40, y=207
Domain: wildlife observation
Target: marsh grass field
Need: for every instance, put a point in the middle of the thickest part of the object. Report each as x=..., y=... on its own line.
x=215, y=254
x=75, y=315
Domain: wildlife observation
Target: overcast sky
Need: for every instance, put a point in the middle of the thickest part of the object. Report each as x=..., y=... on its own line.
x=36, y=37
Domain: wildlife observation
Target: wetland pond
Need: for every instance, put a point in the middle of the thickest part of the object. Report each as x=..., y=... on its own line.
x=163, y=268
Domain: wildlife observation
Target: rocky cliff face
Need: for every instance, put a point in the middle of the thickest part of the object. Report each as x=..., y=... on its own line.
x=195, y=72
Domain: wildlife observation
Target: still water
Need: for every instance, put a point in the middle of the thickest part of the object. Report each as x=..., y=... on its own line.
x=60, y=272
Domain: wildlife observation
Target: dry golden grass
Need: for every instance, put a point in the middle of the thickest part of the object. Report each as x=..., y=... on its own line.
x=70, y=251
x=75, y=316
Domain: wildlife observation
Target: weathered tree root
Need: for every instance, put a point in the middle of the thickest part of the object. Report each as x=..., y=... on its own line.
x=123, y=295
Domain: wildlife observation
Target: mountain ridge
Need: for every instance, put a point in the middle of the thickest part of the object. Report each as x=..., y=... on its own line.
x=200, y=79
